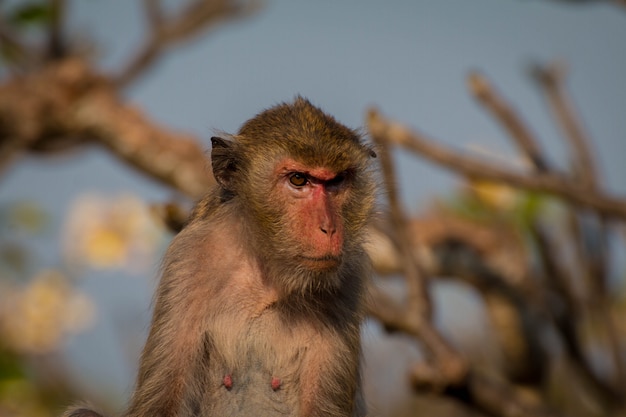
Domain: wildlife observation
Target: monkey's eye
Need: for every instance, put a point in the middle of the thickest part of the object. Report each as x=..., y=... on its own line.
x=298, y=179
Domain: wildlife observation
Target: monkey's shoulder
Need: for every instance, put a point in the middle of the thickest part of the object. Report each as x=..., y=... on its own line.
x=205, y=258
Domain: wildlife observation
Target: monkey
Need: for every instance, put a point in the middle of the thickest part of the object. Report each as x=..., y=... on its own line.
x=260, y=301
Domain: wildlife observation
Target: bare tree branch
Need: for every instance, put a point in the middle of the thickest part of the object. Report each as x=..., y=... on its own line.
x=56, y=42
x=173, y=158
x=18, y=53
x=474, y=167
x=494, y=398
x=543, y=181
x=450, y=367
x=618, y=3
x=567, y=316
x=493, y=261
x=199, y=15
x=154, y=13
x=508, y=118
x=590, y=235
x=69, y=105
x=550, y=78
x=419, y=297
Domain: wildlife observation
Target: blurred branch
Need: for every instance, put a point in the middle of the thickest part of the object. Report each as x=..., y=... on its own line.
x=18, y=54
x=416, y=318
x=491, y=261
x=508, y=118
x=418, y=294
x=65, y=104
x=448, y=368
x=516, y=317
x=494, y=398
x=478, y=391
x=197, y=16
x=174, y=158
x=569, y=311
x=590, y=234
x=542, y=179
x=593, y=257
x=57, y=48
x=448, y=372
x=550, y=79
x=477, y=168
x=618, y=3
x=69, y=105
x=154, y=13
x=566, y=311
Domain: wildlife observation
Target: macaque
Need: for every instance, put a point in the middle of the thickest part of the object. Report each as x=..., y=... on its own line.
x=259, y=306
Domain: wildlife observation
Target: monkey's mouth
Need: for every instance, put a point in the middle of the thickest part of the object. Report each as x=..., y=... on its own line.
x=321, y=262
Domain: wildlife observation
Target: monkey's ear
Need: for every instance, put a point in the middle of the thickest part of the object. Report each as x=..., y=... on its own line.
x=371, y=151
x=223, y=162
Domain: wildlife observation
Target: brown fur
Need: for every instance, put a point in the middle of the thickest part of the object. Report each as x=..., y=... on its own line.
x=241, y=325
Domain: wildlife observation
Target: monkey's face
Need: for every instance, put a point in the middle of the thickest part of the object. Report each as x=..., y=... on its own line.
x=302, y=185
x=311, y=199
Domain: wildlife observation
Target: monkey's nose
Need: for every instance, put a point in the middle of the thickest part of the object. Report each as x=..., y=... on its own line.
x=328, y=230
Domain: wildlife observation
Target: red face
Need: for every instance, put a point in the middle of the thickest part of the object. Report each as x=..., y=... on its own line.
x=314, y=197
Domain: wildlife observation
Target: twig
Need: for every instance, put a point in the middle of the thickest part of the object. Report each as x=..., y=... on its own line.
x=508, y=118
x=590, y=236
x=387, y=311
x=496, y=399
x=57, y=47
x=419, y=297
x=154, y=13
x=566, y=317
x=474, y=167
x=68, y=100
x=199, y=15
x=450, y=368
x=491, y=397
x=550, y=78
x=173, y=158
x=20, y=55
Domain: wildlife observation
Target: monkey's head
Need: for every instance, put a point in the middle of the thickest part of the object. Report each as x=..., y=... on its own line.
x=303, y=184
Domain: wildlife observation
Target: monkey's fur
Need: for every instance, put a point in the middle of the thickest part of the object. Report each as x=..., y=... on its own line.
x=260, y=301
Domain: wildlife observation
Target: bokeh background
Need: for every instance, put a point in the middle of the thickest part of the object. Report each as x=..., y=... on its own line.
x=81, y=246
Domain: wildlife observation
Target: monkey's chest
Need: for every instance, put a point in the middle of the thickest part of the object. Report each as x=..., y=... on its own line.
x=256, y=368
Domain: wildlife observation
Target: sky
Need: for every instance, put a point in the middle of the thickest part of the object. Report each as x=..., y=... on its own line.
x=408, y=58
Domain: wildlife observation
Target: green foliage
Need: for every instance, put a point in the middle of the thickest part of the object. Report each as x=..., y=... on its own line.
x=530, y=207
x=23, y=216
x=8, y=53
x=10, y=366
x=31, y=14
x=520, y=211
x=16, y=220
